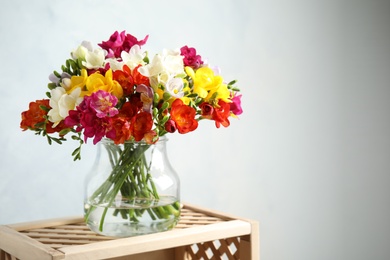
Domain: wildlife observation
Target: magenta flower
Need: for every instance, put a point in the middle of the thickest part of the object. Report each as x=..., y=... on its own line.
x=103, y=103
x=120, y=42
x=93, y=116
x=190, y=58
x=235, y=106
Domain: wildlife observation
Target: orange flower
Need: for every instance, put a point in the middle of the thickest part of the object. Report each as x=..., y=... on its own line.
x=122, y=129
x=141, y=124
x=34, y=114
x=34, y=118
x=139, y=78
x=184, y=117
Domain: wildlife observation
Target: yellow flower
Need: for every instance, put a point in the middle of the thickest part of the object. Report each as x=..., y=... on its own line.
x=78, y=82
x=97, y=81
x=206, y=84
x=222, y=93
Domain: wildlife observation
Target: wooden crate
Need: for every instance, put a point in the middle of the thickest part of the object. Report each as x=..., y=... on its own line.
x=200, y=234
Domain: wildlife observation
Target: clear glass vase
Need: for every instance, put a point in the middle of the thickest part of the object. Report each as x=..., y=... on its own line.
x=132, y=190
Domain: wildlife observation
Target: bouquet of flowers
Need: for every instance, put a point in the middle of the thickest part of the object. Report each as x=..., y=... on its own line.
x=116, y=91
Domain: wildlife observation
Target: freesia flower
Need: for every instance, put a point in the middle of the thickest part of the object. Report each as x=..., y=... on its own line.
x=204, y=80
x=207, y=110
x=134, y=57
x=97, y=81
x=104, y=104
x=120, y=42
x=170, y=126
x=86, y=119
x=94, y=59
x=183, y=116
x=191, y=59
x=162, y=67
x=77, y=82
x=235, y=106
x=125, y=79
x=175, y=87
x=146, y=97
x=122, y=129
x=141, y=124
x=82, y=50
x=61, y=103
x=221, y=114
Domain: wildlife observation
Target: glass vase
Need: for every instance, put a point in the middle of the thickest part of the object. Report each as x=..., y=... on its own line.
x=132, y=190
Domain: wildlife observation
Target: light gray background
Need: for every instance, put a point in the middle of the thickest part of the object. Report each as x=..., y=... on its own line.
x=309, y=158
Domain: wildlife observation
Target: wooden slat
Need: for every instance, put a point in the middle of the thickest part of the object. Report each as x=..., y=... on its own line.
x=129, y=246
x=11, y=241
x=45, y=223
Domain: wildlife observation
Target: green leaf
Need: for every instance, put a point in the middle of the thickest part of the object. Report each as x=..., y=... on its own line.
x=232, y=82
x=193, y=95
x=44, y=108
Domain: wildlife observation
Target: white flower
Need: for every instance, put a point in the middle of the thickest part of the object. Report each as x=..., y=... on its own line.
x=61, y=103
x=175, y=87
x=94, y=59
x=115, y=64
x=153, y=68
x=134, y=57
x=163, y=67
x=91, y=58
x=173, y=61
x=82, y=50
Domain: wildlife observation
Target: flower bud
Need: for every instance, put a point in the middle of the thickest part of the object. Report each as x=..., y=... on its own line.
x=170, y=126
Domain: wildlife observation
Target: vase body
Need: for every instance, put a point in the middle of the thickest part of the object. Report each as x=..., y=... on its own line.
x=131, y=190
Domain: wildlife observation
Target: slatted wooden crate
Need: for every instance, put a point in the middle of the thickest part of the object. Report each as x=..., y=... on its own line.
x=200, y=234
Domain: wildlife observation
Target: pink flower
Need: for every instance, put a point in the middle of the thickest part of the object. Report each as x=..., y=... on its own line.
x=190, y=58
x=235, y=106
x=146, y=97
x=104, y=104
x=120, y=42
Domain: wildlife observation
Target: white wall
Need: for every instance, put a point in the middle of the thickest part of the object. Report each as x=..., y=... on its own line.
x=310, y=156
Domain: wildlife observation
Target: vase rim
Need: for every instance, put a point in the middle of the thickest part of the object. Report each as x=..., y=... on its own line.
x=160, y=140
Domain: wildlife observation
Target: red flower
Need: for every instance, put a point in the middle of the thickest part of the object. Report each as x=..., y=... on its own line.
x=125, y=79
x=122, y=129
x=207, y=110
x=170, y=126
x=221, y=114
x=141, y=124
x=139, y=78
x=183, y=116
x=129, y=110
